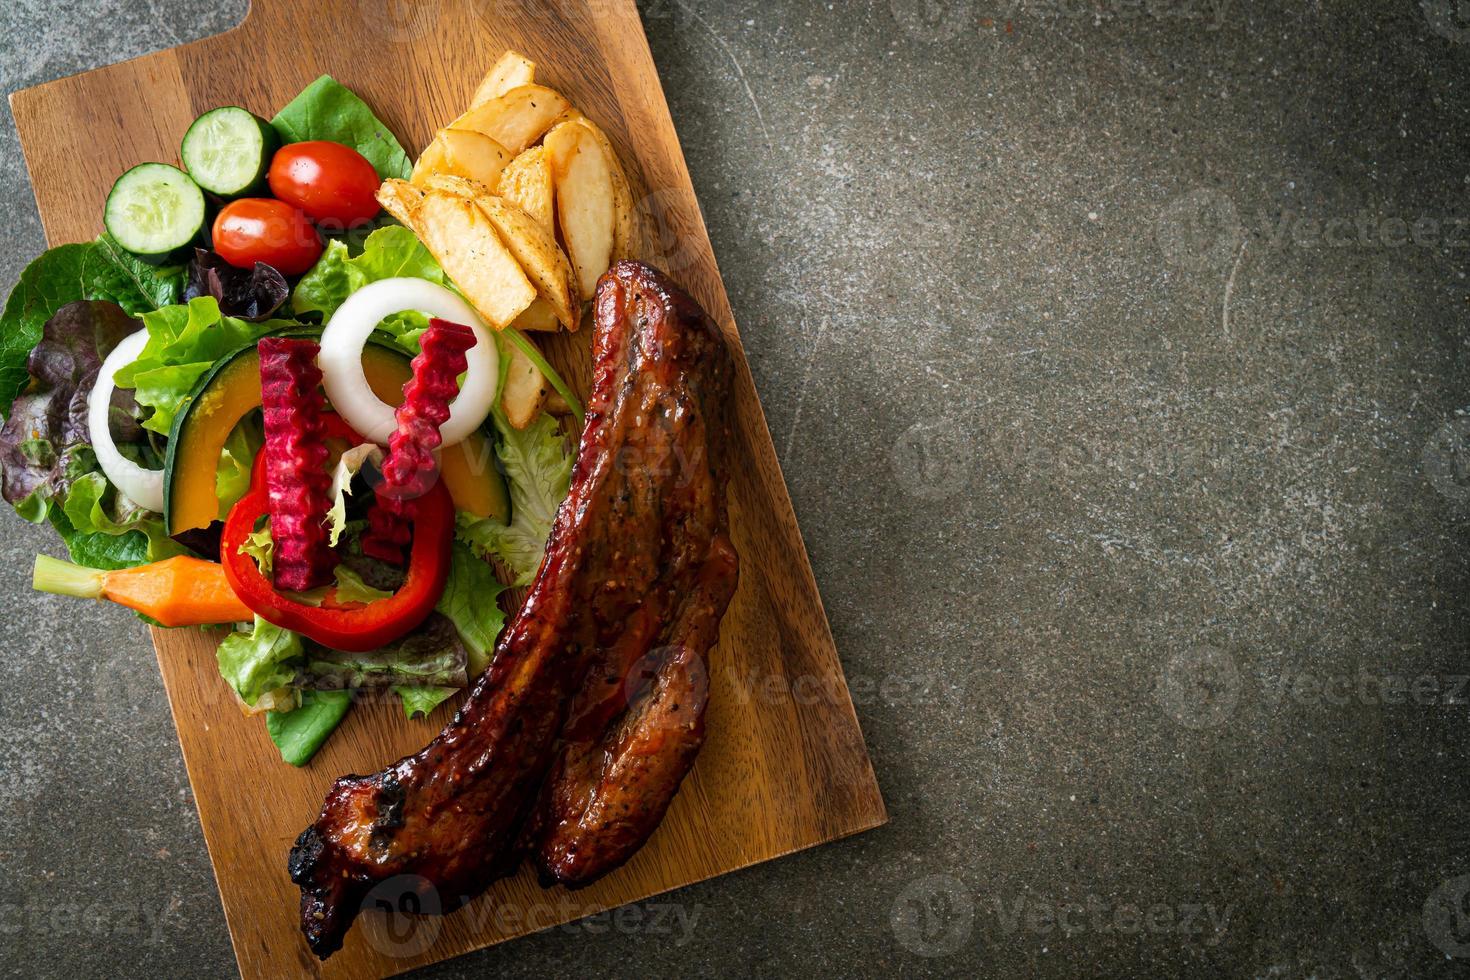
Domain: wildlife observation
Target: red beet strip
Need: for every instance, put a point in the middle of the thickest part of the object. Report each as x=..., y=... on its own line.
x=410, y=469
x=296, y=478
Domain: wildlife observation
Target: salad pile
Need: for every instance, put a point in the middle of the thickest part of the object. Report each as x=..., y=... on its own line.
x=257, y=400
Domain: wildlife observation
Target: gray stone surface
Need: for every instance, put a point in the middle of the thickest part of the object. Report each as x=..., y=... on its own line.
x=1116, y=356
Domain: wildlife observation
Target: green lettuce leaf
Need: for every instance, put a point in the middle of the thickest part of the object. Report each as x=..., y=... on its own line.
x=406, y=328
x=538, y=468
x=55, y=278
x=164, y=390
x=300, y=732
x=423, y=700
x=184, y=341
x=431, y=655
x=93, y=506
x=102, y=270
x=262, y=547
x=259, y=660
x=388, y=253
x=232, y=474
x=351, y=587
x=47, y=466
x=328, y=110
x=470, y=601
x=348, y=466
x=192, y=331
x=97, y=549
x=159, y=285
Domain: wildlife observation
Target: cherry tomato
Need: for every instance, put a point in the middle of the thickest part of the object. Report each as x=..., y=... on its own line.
x=259, y=229
x=329, y=181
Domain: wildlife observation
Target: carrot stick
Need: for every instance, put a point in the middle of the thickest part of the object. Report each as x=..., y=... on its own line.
x=179, y=591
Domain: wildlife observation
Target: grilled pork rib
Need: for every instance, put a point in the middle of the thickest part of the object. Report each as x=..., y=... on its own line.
x=637, y=720
x=611, y=641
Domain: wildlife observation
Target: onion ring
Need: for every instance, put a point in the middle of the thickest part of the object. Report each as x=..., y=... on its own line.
x=348, y=330
x=142, y=486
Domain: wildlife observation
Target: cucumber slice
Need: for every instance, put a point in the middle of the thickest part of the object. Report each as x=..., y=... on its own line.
x=154, y=209
x=228, y=151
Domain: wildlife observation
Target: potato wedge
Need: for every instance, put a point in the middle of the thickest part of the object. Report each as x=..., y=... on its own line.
x=538, y=316
x=570, y=114
x=556, y=405
x=474, y=155
x=431, y=161
x=458, y=186
x=542, y=260
x=526, y=183
x=622, y=195
x=525, y=389
x=462, y=153
x=540, y=257
x=400, y=199
x=511, y=71
x=516, y=119
x=464, y=241
x=585, y=210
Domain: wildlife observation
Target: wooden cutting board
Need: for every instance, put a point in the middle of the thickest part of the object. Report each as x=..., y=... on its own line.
x=784, y=767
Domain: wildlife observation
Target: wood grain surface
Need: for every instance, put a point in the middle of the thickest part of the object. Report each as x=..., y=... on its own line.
x=784, y=767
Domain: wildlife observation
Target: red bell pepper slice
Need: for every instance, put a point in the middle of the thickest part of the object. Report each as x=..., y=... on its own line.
x=356, y=630
x=359, y=628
